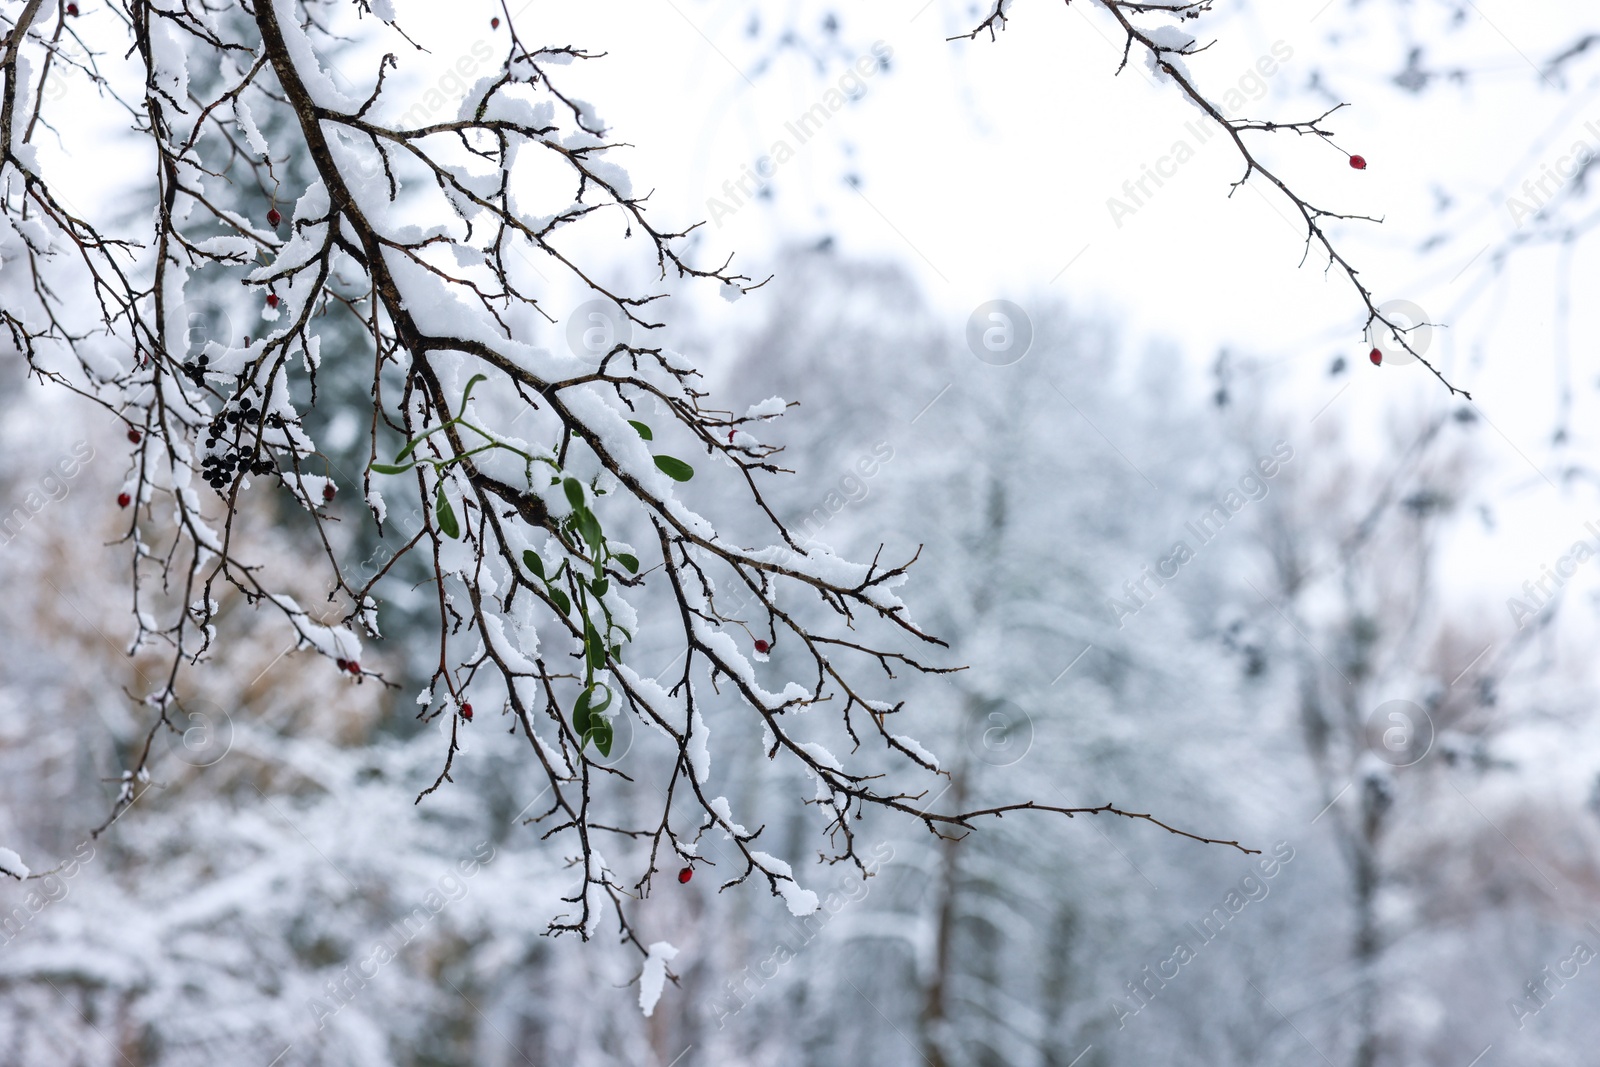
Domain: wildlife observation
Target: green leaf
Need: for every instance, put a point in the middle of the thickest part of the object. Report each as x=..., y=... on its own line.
x=574, y=492
x=446, y=516
x=466, y=394
x=676, y=469
x=630, y=562
x=589, y=527
x=581, y=720
x=531, y=559
x=644, y=431
x=600, y=726
x=386, y=468
x=600, y=730
x=561, y=601
x=594, y=647
x=589, y=723
x=599, y=586
x=417, y=440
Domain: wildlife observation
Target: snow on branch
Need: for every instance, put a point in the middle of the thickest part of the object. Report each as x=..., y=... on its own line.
x=283, y=199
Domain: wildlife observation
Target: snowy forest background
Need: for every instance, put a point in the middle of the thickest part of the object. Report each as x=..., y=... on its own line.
x=1376, y=669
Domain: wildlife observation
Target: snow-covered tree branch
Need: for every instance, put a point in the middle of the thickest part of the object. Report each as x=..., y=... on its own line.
x=285, y=196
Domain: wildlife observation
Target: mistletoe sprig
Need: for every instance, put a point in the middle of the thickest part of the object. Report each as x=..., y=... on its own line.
x=441, y=505
x=565, y=588
x=583, y=526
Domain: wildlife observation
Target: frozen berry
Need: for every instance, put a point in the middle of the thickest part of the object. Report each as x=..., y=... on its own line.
x=328, y=491
x=72, y=9
x=1358, y=162
x=730, y=436
x=466, y=712
x=123, y=500
x=1376, y=356
x=272, y=300
x=344, y=665
x=762, y=646
x=494, y=23
x=133, y=435
x=353, y=667
x=684, y=875
x=273, y=218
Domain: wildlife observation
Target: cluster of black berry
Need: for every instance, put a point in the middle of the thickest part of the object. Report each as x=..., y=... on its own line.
x=195, y=369
x=219, y=469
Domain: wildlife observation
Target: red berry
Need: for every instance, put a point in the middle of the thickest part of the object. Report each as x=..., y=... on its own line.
x=133, y=435
x=272, y=300
x=123, y=500
x=1376, y=357
x=494, y=24
x=762, y=646
x=730, y=436
x=72, y=9
x=328, y=491
x=684, y=875
x=344, y=665
x=1358, y=162
x=466, y=712
x=353, y=667
x=273, y=218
